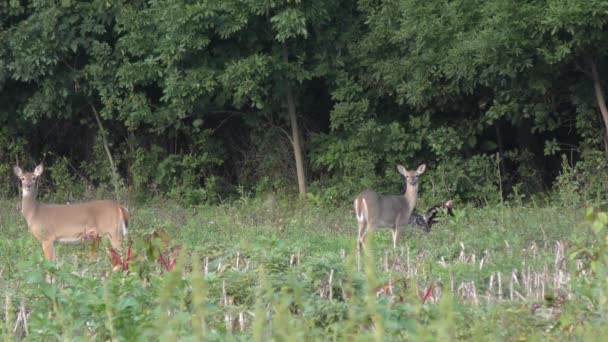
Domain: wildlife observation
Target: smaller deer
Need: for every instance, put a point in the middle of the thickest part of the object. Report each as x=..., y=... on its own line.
x=52, y=223
x=376, y=210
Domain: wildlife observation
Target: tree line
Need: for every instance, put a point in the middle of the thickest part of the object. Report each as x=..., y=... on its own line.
x=202, y=100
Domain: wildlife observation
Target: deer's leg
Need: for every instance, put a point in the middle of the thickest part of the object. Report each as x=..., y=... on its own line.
x=361, y=210
x=49, y=249
x=396, y=235
x=368, y=231
x=362, y=232
x=396, y=232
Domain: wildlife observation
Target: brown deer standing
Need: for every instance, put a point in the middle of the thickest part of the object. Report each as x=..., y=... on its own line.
x=376, y=210
x=52, y=223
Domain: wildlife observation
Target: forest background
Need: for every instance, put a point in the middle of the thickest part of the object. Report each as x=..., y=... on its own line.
x=202, y=101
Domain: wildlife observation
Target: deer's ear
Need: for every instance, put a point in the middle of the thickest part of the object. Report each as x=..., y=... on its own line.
x=17, y=171
x=421, y=169
x=402, y=170
x=39, y=169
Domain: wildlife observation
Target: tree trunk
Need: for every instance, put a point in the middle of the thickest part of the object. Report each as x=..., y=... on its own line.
x=501, y=150
x=599, y=93
x=295, y=131
x=102, y=131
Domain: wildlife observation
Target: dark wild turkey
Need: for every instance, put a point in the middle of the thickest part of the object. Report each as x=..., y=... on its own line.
x=427, y=220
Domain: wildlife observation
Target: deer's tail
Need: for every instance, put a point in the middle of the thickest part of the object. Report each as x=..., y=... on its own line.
x=123, y=213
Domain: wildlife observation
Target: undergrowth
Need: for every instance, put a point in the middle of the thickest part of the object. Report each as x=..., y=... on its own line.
x=264, y=269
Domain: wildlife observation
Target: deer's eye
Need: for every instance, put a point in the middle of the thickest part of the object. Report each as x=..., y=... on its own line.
x=23, y=178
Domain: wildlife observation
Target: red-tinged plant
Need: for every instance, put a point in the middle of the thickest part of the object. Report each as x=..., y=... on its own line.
x=169, y=258
x=167, y=262
x=155, y=241
x=427, y=294
x=119, y=262
x=116, y=260
x=95, y=239
x=154, y=244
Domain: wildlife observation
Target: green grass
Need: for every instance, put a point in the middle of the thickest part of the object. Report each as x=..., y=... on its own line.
x=286, y=254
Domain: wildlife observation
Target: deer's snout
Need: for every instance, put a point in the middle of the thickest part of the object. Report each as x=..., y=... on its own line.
x=28, y=184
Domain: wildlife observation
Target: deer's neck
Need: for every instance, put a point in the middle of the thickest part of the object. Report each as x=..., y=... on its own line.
x=411, y=196
x=29, y=206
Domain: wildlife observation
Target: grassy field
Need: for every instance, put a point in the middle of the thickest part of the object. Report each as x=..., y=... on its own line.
x=271, y=269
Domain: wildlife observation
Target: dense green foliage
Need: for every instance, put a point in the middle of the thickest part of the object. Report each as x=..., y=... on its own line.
x=192, y=95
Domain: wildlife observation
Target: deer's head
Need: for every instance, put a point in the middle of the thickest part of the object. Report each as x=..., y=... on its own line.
x=411, y=177
x=28, y=179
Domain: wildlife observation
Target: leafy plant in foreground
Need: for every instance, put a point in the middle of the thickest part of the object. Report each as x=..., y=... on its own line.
x=591, y=263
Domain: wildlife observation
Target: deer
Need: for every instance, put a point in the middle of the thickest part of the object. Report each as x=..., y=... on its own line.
x=69, y=223
x=377, y=210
